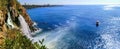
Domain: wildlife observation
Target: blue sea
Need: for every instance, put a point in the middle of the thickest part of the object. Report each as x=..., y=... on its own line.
x=74, y=26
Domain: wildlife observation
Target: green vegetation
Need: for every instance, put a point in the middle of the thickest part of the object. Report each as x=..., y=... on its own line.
x=15, y=40
x=3, y=4
x=40, y=46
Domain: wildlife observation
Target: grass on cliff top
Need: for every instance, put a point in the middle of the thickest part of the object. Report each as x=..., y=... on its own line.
x=15, y=40
x=12, y=3
x=3, y=4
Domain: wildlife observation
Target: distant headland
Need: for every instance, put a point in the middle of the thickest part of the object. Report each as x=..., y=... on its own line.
x=35, y=6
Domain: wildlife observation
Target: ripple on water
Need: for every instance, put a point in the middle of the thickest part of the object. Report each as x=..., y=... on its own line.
x=110, y=35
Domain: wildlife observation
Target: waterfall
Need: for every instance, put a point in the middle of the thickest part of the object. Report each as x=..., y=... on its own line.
x=9, y=21
x=24, y=26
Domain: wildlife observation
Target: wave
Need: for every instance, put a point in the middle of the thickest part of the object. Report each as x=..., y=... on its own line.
x=110, y=7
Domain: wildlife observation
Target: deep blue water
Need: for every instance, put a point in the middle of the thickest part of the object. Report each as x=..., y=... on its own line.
x=74, y=26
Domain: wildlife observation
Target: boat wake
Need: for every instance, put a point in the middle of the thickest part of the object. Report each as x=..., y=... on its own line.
x=52, y=37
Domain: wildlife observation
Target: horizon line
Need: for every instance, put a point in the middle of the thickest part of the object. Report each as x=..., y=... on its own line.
x=70, y=4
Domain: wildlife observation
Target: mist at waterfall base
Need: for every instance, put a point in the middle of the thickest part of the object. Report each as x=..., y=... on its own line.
x=74, y=26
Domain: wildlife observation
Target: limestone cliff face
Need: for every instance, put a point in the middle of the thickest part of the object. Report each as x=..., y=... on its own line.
x=13, y=9
x=13, y=20
x=10, y=11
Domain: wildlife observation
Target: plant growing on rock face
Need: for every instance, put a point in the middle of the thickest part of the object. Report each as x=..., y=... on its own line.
x=3, y=4
x=39, y=45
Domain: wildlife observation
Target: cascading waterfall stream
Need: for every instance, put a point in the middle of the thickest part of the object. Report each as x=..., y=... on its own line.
x=9, y=21
x=24, y=26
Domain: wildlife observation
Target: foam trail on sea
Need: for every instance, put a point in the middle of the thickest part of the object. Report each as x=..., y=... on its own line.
x=52, y=37
x=110, y=35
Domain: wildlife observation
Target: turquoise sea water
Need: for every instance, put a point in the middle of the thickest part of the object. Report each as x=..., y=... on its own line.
x=74, y=26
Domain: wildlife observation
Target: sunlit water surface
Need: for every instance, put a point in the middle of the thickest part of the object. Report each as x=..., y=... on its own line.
x=73, y=26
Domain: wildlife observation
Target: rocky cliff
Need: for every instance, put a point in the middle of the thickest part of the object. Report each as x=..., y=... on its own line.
x=11, y=13
x=14, y=9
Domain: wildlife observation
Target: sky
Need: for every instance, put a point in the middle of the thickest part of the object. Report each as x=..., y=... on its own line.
x=69, y=2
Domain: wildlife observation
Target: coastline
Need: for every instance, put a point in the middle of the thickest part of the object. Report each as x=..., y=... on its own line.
x=36, y=6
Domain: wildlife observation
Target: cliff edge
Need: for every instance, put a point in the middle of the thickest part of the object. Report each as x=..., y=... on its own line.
x=14, y=18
